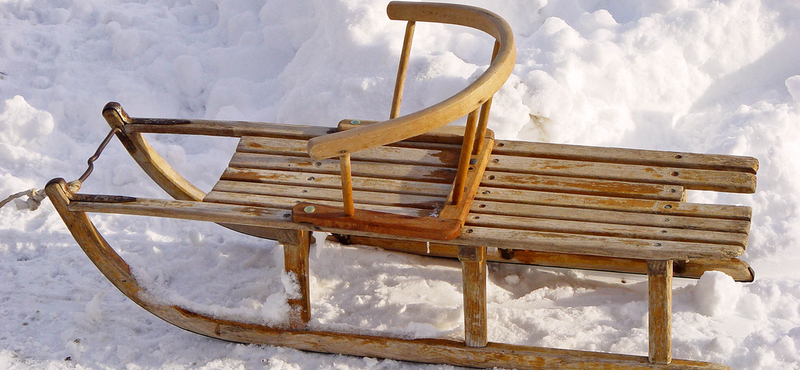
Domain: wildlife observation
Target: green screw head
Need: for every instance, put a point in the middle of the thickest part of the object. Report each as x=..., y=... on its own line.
x=355, y=122
x=309, y=209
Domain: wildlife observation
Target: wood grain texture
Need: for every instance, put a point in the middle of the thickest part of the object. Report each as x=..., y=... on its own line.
x=694, y=269
x=295, y=256
x=420, y=350
x=440, y=114
x=473, y=277
x=659, y=288
x=322, y=217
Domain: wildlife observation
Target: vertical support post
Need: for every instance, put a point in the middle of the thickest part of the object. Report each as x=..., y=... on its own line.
x=473, y=274
x=295, y=256
x=466, y=154
x=401, y=70
x=659, y=277
x=483, y=122
x=347, y=185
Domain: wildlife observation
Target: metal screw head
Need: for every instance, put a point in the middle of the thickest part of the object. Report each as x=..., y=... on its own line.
x=309, y=209
x=355, y=122
x=473, y=161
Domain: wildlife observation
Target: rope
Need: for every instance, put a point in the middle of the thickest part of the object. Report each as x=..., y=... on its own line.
x=36, y=196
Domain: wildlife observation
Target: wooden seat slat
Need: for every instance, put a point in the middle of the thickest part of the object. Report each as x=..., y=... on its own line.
x=384, y=154
x=613, y=217
x=559, y=184
x=314, y=193
x=606, y=229
x=311, y=179
x=517, y=196
x=250, y=152
x=596, y=245
x=627, y=156
x=727, y=181
x=331, y=166
x=286, y=203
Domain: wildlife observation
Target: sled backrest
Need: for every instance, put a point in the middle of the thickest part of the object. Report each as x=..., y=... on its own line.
x=474, y=100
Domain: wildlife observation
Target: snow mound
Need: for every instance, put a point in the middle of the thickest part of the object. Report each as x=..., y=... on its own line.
x=716, y=294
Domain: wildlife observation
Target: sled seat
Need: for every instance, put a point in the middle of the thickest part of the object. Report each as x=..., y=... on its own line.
x=414, y=184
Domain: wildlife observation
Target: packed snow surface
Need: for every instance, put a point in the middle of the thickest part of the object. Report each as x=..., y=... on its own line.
x=707, y=76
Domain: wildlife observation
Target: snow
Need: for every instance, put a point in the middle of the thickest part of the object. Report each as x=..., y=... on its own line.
x=708, y=76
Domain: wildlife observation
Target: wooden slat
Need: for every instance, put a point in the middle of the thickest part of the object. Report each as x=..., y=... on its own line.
x=310, y=179
x=627, y=156
x=595, y=245
x=592, y=228
x=444, y=158
x=286, y=203
x=188, y=210
x=383, y=154
x=736, y=268
x=613, y=217
x=573, y=185
x=359, y=168
x=698, y=179
x=617, y=204
x=313, y=194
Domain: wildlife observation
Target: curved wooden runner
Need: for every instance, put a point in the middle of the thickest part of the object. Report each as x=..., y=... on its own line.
x=420, y=350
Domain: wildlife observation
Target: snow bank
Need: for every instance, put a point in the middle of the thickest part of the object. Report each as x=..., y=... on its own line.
x=709, y=76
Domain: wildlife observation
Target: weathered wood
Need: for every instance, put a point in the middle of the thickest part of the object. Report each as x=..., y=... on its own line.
x=622, y=217
x=313, y=180
x=347, y=185
x=573, y=185
x=151, y=162
x=428, y=203
x=447, y=137
x=323, y=217
x=441, y=113
x=421, y=350
x=483, y=121
x=359, y=168
x=401, y=70
x=697, y=179
x=614, y=204
x=287, y=203
x=464, y=158
x=295, y=255
x=694, y=269
x=458, y=206
x=627, y=156
x=595, y=228
x=659, y=287
x=473, y=276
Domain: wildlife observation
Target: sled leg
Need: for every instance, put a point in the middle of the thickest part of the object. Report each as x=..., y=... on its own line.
x=295, y=254
x=473, y=272
x=660, y=311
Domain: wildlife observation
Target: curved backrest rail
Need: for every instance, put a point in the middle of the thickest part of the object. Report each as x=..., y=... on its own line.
x=440, y=114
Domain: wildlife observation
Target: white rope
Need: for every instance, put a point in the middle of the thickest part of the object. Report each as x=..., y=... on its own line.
x=35, y=197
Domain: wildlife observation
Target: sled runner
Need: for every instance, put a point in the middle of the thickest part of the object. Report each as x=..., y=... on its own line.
x=413, y=184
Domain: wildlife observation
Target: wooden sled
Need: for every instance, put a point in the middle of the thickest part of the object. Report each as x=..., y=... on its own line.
x=415, y=185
